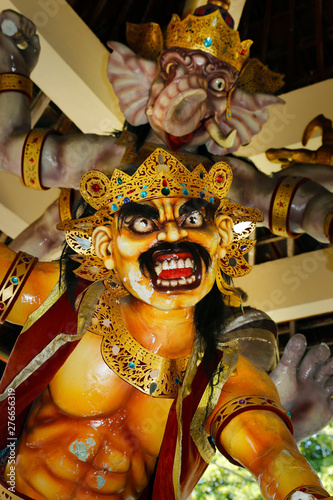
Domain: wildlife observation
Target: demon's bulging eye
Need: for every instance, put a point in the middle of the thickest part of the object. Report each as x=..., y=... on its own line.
x=141, y=225
x=193, y=219
x=217, y=84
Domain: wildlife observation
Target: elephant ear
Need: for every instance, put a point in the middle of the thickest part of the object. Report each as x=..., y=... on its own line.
x=131, y=78
x=249, y=114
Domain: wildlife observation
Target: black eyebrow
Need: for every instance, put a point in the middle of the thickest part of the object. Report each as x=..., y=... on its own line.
x=138, y=209
x=192, y=205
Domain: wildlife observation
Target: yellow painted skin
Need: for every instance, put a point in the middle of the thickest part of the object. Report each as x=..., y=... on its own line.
x=90, y=434
x=43, y=278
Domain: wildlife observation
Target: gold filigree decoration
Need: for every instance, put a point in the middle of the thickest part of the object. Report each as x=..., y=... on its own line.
x=280, y=205
x=256, y=77
x=234, y=264
x=238, y=405
x=13, y=282
x=31, y=158
x=161, y=174
x=17, y=83
x=210, y=34
x=148, y=372
x=65, y=204
x=145, y=39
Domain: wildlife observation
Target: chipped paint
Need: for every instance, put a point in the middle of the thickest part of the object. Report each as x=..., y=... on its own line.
x=81, y=449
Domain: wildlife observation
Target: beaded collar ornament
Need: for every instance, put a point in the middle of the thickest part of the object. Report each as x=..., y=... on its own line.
x=160, y=175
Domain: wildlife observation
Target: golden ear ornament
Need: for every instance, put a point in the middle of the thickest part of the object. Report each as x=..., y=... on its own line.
x=233, y=263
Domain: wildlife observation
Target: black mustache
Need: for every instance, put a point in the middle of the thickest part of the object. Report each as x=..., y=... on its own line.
x=197, y=251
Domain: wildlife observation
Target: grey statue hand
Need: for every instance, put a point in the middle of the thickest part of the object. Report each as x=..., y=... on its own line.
x=305, y=385
x=19, y=44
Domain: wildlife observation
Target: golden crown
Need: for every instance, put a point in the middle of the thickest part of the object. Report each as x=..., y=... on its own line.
x=161, y=174
x=211, y=34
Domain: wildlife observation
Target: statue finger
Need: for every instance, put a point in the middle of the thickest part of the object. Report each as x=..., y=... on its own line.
x=294, y=351
x=315, y=357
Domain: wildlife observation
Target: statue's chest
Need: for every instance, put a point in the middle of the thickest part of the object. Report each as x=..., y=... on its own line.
x=85, y=387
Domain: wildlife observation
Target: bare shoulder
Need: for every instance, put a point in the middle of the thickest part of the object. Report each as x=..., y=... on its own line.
x=38, y=282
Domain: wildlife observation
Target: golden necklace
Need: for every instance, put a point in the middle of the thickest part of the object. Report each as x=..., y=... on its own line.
x=148, y=372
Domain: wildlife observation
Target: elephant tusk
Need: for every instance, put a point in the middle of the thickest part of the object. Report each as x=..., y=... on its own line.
x=214, y=130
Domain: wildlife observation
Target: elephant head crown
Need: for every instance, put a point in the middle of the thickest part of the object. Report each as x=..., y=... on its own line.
x=209, y=29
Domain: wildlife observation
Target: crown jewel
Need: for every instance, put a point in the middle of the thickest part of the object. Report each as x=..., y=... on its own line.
x=208, y=33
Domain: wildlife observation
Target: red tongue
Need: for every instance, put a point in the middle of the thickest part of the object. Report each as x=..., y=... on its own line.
x=176, y=143
x=169, y=274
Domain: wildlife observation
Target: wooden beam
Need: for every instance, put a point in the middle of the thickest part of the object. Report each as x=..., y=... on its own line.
x=10, y=224
x=301, y=286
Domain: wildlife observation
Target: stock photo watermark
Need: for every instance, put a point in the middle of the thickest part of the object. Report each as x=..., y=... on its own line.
x=11, y=445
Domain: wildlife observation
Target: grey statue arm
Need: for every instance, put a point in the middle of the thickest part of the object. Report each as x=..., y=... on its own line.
x=311, y=204
x=64, y=159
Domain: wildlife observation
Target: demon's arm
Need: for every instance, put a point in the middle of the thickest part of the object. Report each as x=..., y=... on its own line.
x=250, y=427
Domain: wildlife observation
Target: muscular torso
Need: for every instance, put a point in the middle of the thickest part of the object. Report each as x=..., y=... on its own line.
x=93, y=437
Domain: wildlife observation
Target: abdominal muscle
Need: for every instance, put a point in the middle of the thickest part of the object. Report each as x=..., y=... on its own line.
x=101, y=441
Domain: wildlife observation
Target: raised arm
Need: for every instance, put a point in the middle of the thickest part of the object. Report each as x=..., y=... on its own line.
x=63, y=159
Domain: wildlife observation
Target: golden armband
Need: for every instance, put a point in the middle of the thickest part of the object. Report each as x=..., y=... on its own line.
x=239, y=405
x=316, y=491
x=281, y=202
x=13, y=282
x=16, y=83
x=31, y=158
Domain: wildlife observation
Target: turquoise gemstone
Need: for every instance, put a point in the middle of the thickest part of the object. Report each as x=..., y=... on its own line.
x=131, y=365
x=185, y=192
x=114, y=207
x=143, y=194
x=208, y=42
x=14, y=280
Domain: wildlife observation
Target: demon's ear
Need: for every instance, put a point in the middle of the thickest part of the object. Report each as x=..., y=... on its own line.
x=224, y=226
x=102, y=241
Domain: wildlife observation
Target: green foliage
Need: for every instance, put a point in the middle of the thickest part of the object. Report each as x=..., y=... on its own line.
x=223, y=481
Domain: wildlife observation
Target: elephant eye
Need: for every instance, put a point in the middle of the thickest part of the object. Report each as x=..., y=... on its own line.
x=218, y=84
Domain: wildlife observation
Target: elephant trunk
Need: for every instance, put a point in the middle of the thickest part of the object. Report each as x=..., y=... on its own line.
x=214, y=130
x=182, y=105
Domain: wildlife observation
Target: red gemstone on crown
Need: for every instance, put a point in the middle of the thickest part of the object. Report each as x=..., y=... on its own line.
x=35, y=139
x=165, y=182
x=131, y=191
x=243, y=52
x=32, y=181
x=219, y=178
x=32, y=160
x=2, y=305
x=95, y=188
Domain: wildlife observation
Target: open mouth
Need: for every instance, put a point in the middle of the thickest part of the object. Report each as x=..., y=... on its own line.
x=175, y=271
x=175, y=143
